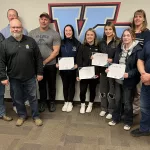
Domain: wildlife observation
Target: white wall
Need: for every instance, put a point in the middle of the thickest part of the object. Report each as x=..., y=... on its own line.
x=29, y=11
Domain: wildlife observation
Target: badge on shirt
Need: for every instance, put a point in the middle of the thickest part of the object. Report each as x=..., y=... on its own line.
x=96, y=49
x=27, y=46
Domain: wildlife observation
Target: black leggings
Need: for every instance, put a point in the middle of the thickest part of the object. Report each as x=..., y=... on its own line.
x=68, y=80
x=92, y=87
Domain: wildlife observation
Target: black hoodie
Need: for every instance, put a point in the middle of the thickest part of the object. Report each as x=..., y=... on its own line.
x=84, y=56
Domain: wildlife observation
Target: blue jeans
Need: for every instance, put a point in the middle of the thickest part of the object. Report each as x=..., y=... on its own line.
x=27, y=89
x=12, y=96
x=145, y=109
x=123, y=95
x=2, y=107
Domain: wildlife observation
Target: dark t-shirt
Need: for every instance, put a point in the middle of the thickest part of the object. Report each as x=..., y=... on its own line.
x=145, y=56
x=143, y=37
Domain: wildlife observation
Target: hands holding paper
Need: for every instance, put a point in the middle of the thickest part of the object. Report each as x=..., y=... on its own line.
x=125, y=75
x=109, y=60
x=75, y=66
x=116, y=71
x=100, y=59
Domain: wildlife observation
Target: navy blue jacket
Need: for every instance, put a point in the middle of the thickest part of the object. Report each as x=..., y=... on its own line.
x=131, y=66
x=69, y=48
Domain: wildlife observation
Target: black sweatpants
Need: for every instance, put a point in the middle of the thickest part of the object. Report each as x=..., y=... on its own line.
x=92, y=88
x=68, y=80
x=49, y=77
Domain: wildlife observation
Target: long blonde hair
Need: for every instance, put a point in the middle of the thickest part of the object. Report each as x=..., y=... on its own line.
x=144, y=26
x=95, y=40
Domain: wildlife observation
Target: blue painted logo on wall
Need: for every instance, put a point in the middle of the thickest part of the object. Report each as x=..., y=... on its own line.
x=86, y=15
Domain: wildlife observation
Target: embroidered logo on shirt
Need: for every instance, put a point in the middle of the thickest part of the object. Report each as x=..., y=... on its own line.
x=96, y=49
x=27, y=46
x=74, y=48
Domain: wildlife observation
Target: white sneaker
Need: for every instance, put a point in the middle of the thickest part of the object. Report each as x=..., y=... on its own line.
x=15, y=110
x=109, y=116
x=89, y=108
x=64, y=108
x=127, y=127
x=112, y=123
x=27, y=103
x=70, y=106
x=82, y=109
x=102, y=113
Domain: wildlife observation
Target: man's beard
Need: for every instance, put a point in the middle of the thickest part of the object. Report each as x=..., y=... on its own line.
x=16, y=35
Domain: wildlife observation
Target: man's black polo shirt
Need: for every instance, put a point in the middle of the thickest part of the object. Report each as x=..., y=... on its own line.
x=22, y=59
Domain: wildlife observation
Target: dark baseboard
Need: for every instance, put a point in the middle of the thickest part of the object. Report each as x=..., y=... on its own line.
x=57, y=101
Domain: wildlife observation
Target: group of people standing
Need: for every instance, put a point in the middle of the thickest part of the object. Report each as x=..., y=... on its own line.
x=36, y=56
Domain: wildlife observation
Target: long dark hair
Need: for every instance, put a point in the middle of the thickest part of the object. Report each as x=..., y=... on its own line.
x=74, y=40
x=110, y=24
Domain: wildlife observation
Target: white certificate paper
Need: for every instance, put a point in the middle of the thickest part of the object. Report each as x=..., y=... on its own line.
x=116, y=71
x=87, y=72
x=100, y=59
x=66, y=63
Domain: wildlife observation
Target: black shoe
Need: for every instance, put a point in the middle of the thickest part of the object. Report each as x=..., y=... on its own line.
x=41, y=107
x=138, y=133
x=48, y=104
x=52, y=107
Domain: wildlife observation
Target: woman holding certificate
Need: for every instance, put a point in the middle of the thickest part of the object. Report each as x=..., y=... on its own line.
x=67, y=65
x=126, y=54
x=88, y=75
x=108, y=45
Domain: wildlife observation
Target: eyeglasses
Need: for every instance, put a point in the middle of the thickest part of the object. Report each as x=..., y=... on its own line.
x=16, y=27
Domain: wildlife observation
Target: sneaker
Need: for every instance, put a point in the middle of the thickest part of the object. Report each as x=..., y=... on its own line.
x=82, y=109
x=102, y=113
x=27, y=103
x=64, y=108
x=138, y=133
x=89, y=108
x=7, y=118
x=14, y=109
x=52, y=107
x=127, y=127
x=70, y=106
x=112, y=123
x=20, y=121
x=38, y=122
x=109, y=116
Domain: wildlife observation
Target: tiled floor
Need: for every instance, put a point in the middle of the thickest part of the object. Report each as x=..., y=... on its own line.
x=69, y=131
